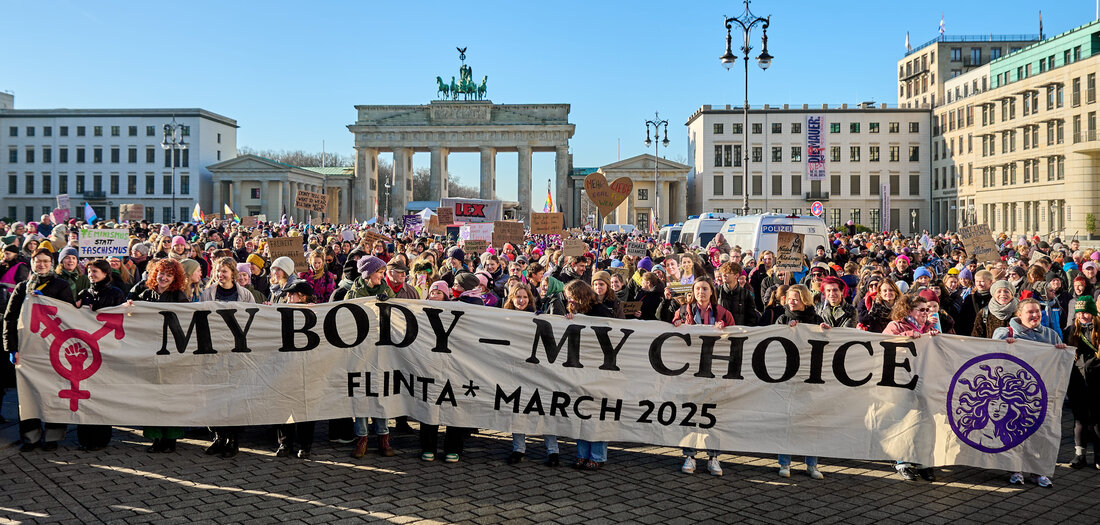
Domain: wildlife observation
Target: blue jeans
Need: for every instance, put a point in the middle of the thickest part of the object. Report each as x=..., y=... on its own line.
x=593, y=450
x=519, y=443
x=690, y=453
x=785, y=460
x=381, y=426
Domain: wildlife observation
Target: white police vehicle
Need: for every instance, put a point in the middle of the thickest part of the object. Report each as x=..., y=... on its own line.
x=758, y=232
x=670, y=233
x=698, y=231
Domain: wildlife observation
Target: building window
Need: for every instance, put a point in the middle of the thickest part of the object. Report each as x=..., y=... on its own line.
x=62, y=183
x=914, y=127
x=131, y=155
x=1075, y=93
x=737, y=128
x=834, y=127
x=1090, y=88
x=150, y=131
x=63, y=131
x=63, y=155
x=796, y=127
x=875, y=185
x=115, y=131
x=97, y=183
x=166, y=214
x=97, y=155
x=796, y=153
x=114, y=155
x=796, y=185
x=80, y=131
x=13, y=155
x=166, y=184
x=758, y=185
x=854, y=186
x=79, y=155
x=97, y=131
x=777, y=127
x=757, y=154
x=186, y=131
x=873, y=154
x=30, y=131
x=718, y=186
x=150, y=155
x=47, y=184
x=895, y=127
x=185, y=184
x=834, y=153
x=914, y=153
x=80, y=183
x=150, y=182
x=114, y=184
x=717, y=155
x=47, y=155
x=956, y=54
x=13, y=185
x=13, y=131
x=187, y=161
x=854, y=216
x=643, y=194
x=834, y=183
x=777, y=185
x=872, y=127
x=853, y=154
x=718, y=129
x=29, y=156
x=737, y=189
x=29, y=189
x=757, y=128
x=131, y=183
x=777, y=153
x=914, y=185
x=853, y=127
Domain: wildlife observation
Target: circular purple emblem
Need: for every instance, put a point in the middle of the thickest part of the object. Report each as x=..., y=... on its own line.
x=995, y=402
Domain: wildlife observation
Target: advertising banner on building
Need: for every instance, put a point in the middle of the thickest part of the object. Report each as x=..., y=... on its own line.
x=474, y=210
x=815, y=147
x=843, y=393
x=884, y=210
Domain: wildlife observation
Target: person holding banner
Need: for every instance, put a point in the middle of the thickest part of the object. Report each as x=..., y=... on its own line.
x=799, y=309
x=42, y=282
x=296, y=439
x=371, y=284
x=998, y=313
x=101, y=294
x=1027, y=326
x=601, y=284
x=523, y=299
x=591, y=455
x=1084, y=382
x=68, y=267
x=282, y=276
x=318, y=276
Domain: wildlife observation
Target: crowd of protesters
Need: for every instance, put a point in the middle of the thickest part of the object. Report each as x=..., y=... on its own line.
x=878, y=282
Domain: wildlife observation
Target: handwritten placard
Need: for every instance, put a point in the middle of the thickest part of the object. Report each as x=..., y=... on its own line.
x=507, y=232
x=788, y=252
x=573, y=247
x=978, y=241
x=632, y=307
x=308, y=200
x=678, y=288
x=288, y=247
x=547, y=223
x=636, y=249
x=250, y=221
x=435, y=228
x=104, y=243
x=372, y=237
x=475, y=245
x=131, y=212
x=446, y=215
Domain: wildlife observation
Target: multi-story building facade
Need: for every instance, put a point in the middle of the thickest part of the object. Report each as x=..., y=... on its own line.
x=108, y=157
x=864, y=148
x=1014, y=143
x=923, y=71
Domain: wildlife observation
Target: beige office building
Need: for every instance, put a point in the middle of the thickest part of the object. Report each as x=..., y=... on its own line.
x=1014, y=141
x=923, y=71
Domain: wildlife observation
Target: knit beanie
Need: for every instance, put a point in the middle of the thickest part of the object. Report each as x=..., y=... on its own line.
x=256, y=259
x=1001, y=284
x=467, y=281
x=602, y=276
x=441, y=286
x=646, y=264
x=178, y=240
x=244, y=268
x=189, y=266
x=67, y=251
x=284, y=263
x=922, y=272
x=965, y=273
x=1086, y=304
x=370, y=264
x=929, y=295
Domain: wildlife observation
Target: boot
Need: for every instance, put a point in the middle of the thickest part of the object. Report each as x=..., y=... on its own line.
x=168, y=445
x=360, y=448
x=231, y=448
x=156, y=447
x=384, y=448
x=217, y=447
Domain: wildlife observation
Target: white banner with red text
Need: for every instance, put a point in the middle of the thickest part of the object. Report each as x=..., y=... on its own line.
x=844, y=393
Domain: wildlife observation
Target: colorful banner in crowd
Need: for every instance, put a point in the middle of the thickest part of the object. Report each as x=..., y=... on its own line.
x=839, y=393
x=815, y=147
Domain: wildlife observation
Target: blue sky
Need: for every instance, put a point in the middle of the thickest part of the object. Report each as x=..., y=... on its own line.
x=291, y=72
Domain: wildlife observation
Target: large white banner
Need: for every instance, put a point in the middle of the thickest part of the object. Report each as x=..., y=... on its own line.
x=838, y=393
x=815, y=147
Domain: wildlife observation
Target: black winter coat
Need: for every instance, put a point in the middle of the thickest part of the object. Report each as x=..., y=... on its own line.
x=50, y=285
x=740, y=303
x=101, y=295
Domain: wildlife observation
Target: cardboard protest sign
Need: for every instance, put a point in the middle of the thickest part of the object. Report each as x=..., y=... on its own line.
x=131, y=212
x=347, y=235
x=547, y=223
x=104, y=243
x=631, y=307
x=679, y=288
x=60, y=215
x=621, y=272
x=573, y=247
x=434, y=226
x=371, y=237
x=288, y=247
x=308, y=200
x=63, y=201
x=637, y=249
x=606, y=196
x=788, y=252
x=507, y=232
x=475, y=245
x=446, y=215
x=978, y=241
x=250, y=221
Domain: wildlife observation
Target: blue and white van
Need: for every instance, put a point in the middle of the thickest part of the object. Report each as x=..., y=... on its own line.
x=758, y=232
x=698, y=231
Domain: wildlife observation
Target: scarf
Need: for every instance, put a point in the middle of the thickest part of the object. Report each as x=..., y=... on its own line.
x=1002, y=311
x=702, y=316
x=395, y=286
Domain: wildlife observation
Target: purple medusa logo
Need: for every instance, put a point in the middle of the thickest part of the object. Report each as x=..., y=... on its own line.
x=996, y=401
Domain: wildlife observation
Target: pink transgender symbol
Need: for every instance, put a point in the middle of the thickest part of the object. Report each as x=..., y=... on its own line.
x=78, y=348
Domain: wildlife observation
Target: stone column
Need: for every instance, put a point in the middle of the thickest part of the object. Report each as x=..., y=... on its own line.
x=216, y=195
x=564, y=196
x=630, y=219
x=362, y=195
x=273, y=200
x=525, y=208
x=236, y=185
x=438, y=177
x=488, y=187
x=288, y=199
x=681, y=208
x=402, y=170
x=265, y=197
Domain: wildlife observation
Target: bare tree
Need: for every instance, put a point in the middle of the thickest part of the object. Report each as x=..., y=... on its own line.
x=422, y=186
x=300, y=157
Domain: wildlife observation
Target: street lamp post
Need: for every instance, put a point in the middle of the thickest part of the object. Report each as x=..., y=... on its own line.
x=173, y=142
x=913, y=221
x=747, y=20
x=657, y=122
x=386, y=212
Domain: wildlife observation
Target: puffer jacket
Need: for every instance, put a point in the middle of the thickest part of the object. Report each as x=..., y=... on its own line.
x=841, y=315
x=101, y=295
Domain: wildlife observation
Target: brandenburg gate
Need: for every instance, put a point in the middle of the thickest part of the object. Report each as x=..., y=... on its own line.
x=453, y=125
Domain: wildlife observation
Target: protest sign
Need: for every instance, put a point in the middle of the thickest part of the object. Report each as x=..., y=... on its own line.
x=446, y=215
x=261, y=217
x=476, y=232
x=372, y=237
x=607, y=196
x=288, y=247
x=63, y=201
x=412, y=223
x=788, y=252
x=347, y=235
x=507, y=232
x=104, y=243
x=308, y=200
x=131, y=212
x=60, y=215
x=574, y=247
x=435, y=228
x=474, y=210
x=631, y=307
x=547, y=223
x=621, y=272
x=680, y=288
x=637, y=249
x=250, y=221
x=978, y=241
x=849, y=393
x=475, y=245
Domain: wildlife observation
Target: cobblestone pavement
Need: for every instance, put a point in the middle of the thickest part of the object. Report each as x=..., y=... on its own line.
x=640, y=484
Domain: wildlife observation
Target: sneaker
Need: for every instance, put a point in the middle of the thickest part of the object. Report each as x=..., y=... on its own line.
x=1042, y=481
x=927, y=474
x=427, y=456
x=283, y=452
x=515, y=457
x=1078, y=461
x=689, y=466
x=451, y=458
x=1016, y=479
x=303, y=454
x=907, y=473
x=814, y=473
x=714, y=467
x=784, y=471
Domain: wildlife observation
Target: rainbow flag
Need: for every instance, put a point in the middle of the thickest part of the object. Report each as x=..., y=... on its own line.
x=197, y=215
x=229, y=211
x=548, y=206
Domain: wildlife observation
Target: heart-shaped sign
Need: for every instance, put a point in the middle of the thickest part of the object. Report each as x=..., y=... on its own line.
x=606, y=196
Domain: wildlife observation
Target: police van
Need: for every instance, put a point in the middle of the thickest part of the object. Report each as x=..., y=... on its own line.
x=699, y=231
x=758, y=232
x=670, y=233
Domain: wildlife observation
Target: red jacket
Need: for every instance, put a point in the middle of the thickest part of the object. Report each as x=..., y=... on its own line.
x=684, y=315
